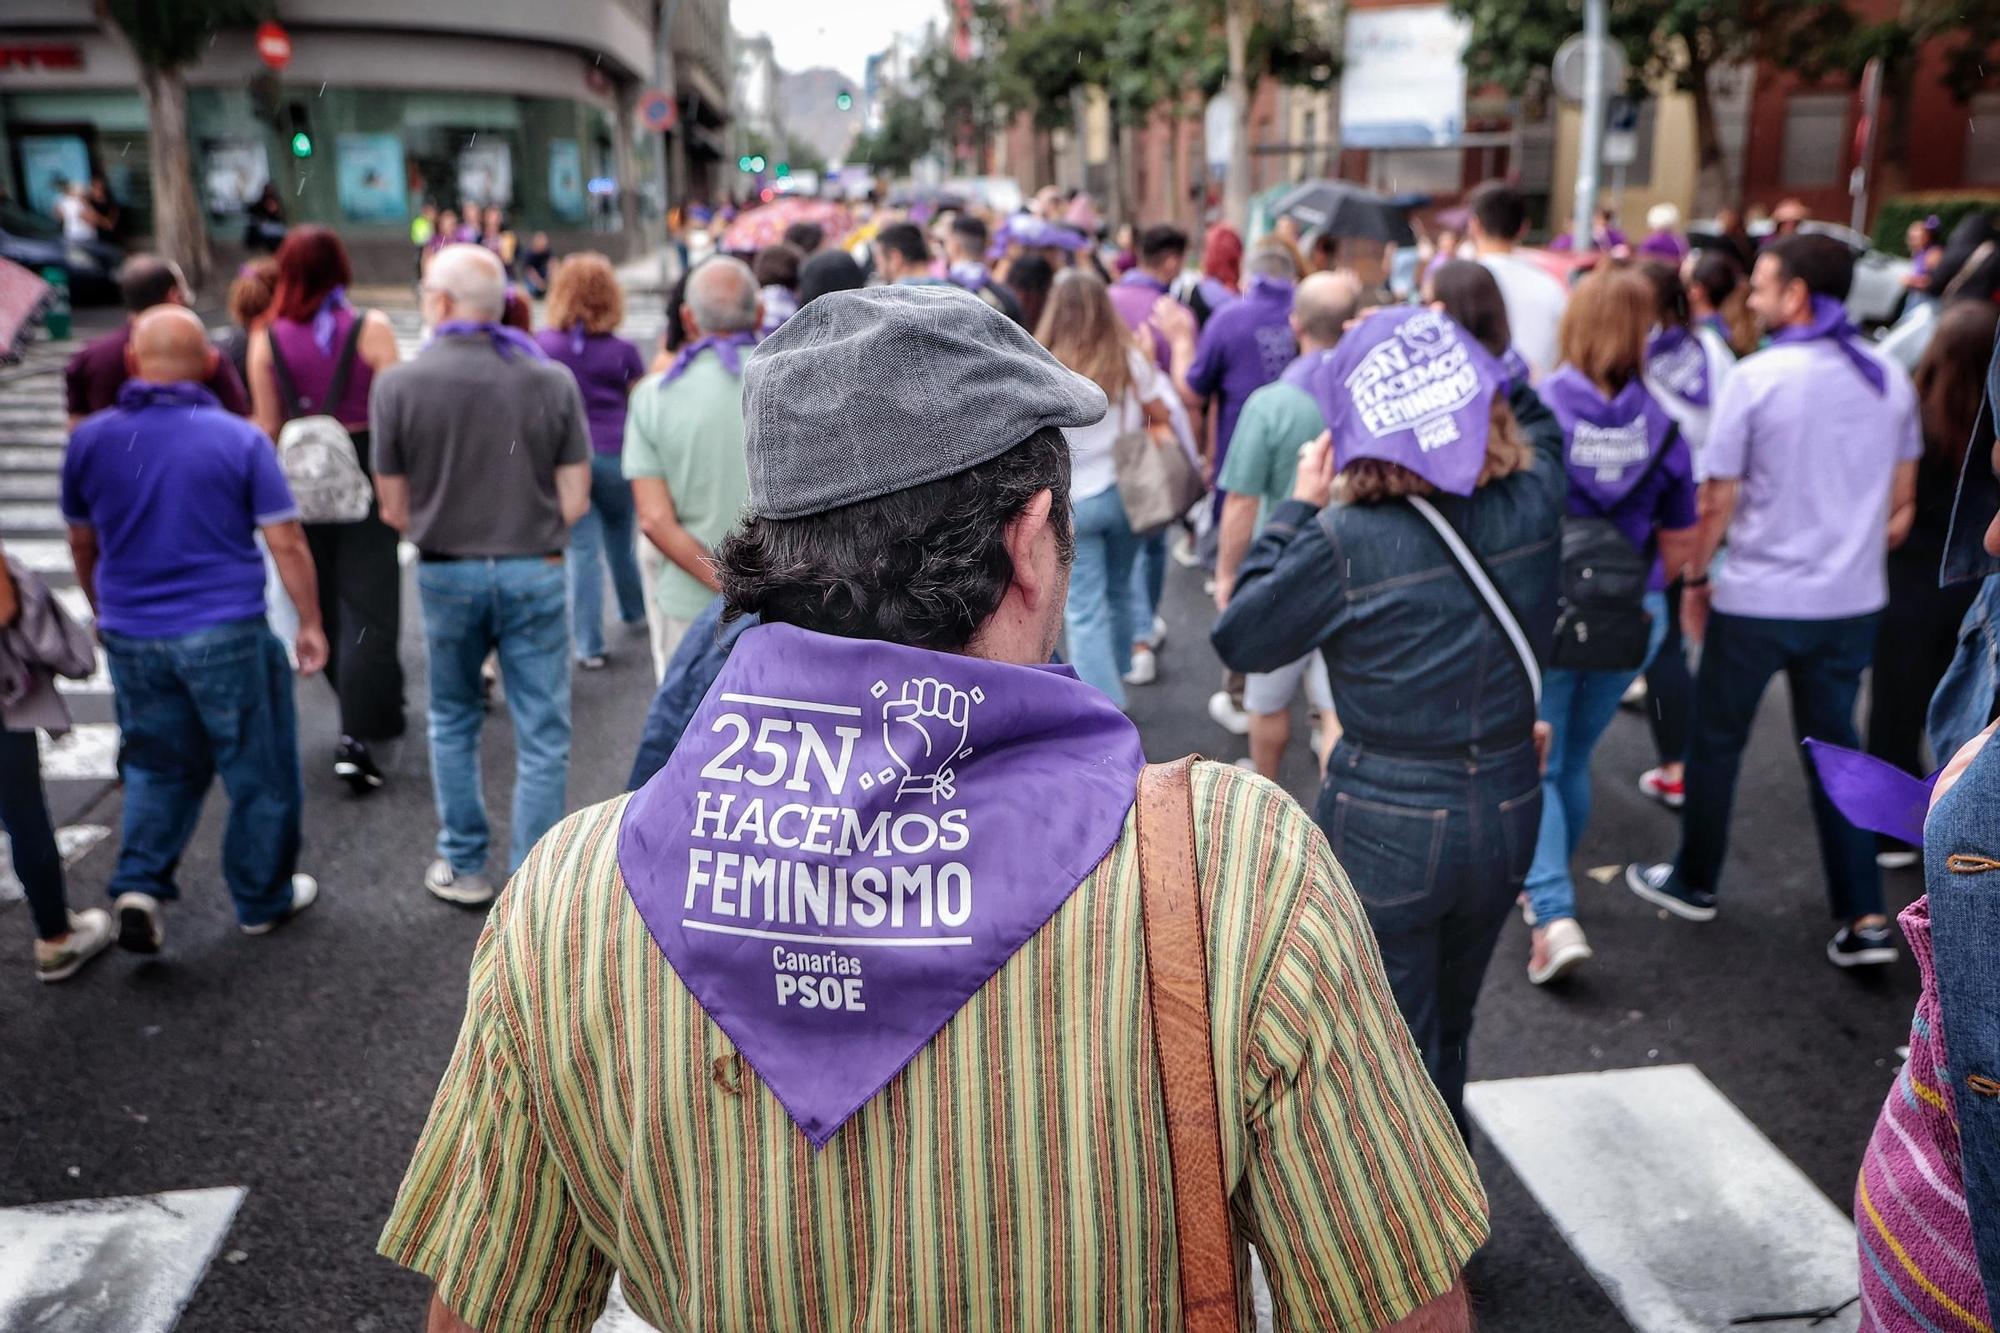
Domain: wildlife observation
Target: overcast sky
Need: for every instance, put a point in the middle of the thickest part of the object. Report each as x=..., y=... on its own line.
x=805, y=33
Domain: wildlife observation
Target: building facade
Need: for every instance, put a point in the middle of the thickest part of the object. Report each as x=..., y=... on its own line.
x=383, y=106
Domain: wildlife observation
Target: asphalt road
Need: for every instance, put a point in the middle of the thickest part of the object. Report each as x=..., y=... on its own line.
x=300, y=1065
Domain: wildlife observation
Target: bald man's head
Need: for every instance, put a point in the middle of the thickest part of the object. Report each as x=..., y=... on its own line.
x=1321, y=307
x=168, y=343
x=722, y=296
x=472, y=277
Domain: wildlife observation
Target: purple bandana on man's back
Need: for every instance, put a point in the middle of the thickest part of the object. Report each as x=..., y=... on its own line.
x=854, y=836
x=1607, y=443
x=1677, y=359
x=1829, y=320
x=1409, y=386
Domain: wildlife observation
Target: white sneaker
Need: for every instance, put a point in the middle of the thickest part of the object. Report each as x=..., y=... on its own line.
x=1227, y=715
x=1902, y=860
x=1247, y=764
x=305, y=892
x=1159, y=632
x=1635, y=693
x=1145, y=667
x=90, y=934
x=1183, y=550
x=1564, y=946
x=466, y=890
x=139, y=926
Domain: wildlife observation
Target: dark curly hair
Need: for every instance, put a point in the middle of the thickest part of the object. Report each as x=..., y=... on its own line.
x=923, y=567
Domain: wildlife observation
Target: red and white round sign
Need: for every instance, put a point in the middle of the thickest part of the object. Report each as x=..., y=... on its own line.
x=274, y=44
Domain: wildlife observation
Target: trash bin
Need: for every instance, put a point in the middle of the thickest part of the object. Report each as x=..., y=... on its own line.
x=56, y=321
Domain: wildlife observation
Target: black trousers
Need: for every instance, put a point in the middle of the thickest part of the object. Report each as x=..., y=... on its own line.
x=1669, y=686
x=361, y=603
x=1918, y=635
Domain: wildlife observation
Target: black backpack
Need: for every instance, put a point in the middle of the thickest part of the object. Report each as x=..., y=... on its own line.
x=1601, y=620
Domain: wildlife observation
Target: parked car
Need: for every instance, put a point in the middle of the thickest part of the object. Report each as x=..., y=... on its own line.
x=36, y=244
x=1877, y=295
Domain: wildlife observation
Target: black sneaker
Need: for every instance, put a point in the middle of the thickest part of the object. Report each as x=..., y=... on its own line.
x=1656, y=884
x=353, y=765
x=1861, y=946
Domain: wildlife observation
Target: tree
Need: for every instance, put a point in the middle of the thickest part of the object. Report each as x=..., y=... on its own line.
x=904, y=135
x=1671, y=43
x=1266, y=39
x=165, y=37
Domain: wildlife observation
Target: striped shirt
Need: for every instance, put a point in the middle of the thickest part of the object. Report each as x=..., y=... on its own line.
x=1014, y=1176
x=1919, y=1270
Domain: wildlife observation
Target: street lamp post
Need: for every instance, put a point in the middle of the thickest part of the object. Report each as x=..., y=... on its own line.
x=1590, y=144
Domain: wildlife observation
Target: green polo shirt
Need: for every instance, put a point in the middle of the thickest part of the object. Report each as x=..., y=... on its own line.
x=1263, y=457
x=689, y=434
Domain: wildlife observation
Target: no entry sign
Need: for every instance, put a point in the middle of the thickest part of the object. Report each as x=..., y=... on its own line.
x=656, y=110
x=274, y=44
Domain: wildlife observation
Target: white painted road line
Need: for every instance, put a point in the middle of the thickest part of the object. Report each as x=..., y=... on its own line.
x=1682, y=1210
x=109, y=1265
x=73, y=841
x=90, y=751
x=41, y=555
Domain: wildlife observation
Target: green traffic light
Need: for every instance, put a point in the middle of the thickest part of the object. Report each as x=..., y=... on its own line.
x=845, y=101
x=302, y=144
x=784, y=168
x=756, y=164
x=743, y=163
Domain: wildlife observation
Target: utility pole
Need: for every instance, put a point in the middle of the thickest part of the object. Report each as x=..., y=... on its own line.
x=663, y=79
x=1590, y=144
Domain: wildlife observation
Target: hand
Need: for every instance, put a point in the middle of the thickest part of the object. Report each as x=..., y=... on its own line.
x=1545, y=735
x=1694, y=612
x=1314, y=483
x=1172, y=319
x=924, y=729
x=1223, y=587
x=310, y=648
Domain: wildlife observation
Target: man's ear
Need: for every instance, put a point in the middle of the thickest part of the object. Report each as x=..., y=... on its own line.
x=131, y=362
x=689, y=327
x=210, y=363
x=1024, y=532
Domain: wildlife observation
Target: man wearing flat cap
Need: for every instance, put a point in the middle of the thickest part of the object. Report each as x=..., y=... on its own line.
x=841, y=1020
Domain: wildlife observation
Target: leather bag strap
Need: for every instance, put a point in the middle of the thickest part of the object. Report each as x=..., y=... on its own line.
x=1177, y=996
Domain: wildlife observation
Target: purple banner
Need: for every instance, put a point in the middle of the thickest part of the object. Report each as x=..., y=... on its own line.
x=853, y=836
x=1411, y=387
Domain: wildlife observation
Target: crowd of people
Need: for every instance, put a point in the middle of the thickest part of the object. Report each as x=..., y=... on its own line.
x=1469, y=526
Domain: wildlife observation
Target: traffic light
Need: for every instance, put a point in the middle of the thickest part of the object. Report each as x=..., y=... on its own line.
x=784, y=168
x=743, y=162
x=302, y=144
x=845, y=101
x=756, y=164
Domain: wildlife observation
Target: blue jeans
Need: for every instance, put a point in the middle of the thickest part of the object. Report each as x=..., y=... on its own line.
x=1436, y=849
x=1823, y=661
x=518, y=608
x=1099, y=611
x=1579, y=705
x=1149, y=580
x=604, y=536
x=217, y=702
x=24, y=813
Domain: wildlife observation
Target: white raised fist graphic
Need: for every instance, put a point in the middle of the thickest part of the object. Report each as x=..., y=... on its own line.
x=924, y=728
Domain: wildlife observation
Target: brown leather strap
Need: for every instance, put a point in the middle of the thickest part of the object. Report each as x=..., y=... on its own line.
x=1177, y=995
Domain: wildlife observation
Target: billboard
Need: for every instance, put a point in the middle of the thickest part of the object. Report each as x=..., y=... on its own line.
x=1403, y=85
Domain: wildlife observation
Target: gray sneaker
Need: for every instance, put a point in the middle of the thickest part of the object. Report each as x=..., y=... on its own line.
x=453, y=886
x=90, y=934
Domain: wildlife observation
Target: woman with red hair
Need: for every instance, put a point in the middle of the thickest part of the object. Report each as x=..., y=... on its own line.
x=1221, y=272
x=310, y=333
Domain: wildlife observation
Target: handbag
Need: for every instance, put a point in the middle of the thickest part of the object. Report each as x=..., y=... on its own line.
x=1474, y=569
x=1157, y=483
x=1177, y=1000
x=316, y=453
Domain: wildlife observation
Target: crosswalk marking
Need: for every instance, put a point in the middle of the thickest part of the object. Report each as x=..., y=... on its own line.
x=125, y=1265
x=90, y=750
x=1682, y=1210
x=40, y=554
x=73, y=841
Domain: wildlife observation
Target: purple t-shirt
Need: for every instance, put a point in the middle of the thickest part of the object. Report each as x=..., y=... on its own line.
x=1246, y=345
x=1134, y=296
x=606, y=367
x=176, y=489
x=1816, y=448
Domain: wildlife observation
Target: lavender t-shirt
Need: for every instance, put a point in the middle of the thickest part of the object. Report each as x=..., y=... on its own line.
x=1816, y=450
x=605, y=367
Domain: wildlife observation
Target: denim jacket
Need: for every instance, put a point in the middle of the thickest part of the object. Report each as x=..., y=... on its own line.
x=1962, y=880
x=1965, y=699
x=694, y=667
x=1417, y=663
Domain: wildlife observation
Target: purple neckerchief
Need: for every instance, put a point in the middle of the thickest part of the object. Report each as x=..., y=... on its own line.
x=1716, y=323
x=1829, y=320
x=1409, y=386
x=1027, y=230
x=726, y=346
x=969, y=274
x=1872, y=793
x=853, y=836
x=579, y=335
x=326, y=319
x=1138, y=277
x=1607, y=443
x=1676, y=358
x=1299, y=374
x=1215, y=293
x=1275, y=291
x=136, y=394
x=507, y=340
x=1515, y=369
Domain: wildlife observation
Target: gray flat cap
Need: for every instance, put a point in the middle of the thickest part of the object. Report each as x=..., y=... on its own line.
x=868, y=392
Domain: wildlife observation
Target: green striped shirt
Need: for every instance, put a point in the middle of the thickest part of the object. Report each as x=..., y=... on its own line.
x=1014, y=1176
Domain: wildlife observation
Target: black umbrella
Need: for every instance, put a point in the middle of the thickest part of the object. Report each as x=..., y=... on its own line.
x=1341, y=208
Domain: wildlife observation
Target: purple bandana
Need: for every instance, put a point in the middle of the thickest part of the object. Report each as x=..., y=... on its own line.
x=326, y=319
x=726, y=346
x=1606, y=444
x=854, y=836
x=1717, y=323
x=579, y=334
x=1215, y=293
x=1300, y=373
x=1829, y=320
x=1411, y=387
x=1678, y=361
x=1024, y=229
x=1515, y=368
x=1140, y=278
x=135, y=394
x=506, y=340
x=969, y=274
x=1873, y=794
